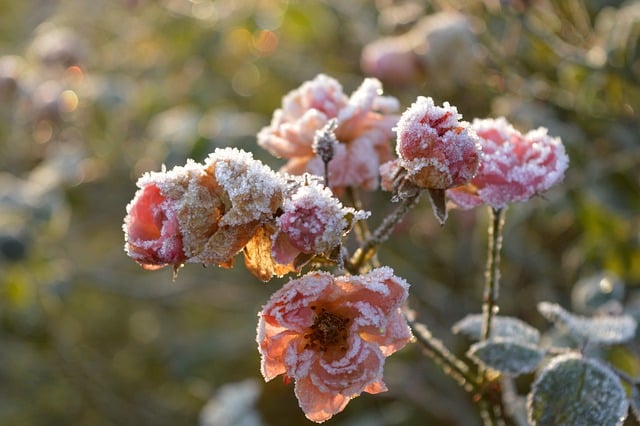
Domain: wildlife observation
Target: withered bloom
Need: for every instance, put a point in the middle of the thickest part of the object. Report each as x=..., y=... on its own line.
x=201, y=213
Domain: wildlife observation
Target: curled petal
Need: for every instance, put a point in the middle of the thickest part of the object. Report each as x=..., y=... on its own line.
x=152, y=230
x=318, y=406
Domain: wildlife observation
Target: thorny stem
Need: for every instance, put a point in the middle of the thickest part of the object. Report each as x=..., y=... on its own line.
x=478, y=384
x=451, y=364
x=491, y=413
x=492, y=272
x=382, y=233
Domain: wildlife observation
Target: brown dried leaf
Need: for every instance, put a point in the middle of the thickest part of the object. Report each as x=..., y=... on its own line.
x=258, y=259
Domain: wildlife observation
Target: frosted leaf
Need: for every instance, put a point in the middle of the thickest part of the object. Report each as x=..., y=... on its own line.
x=502, y=327
x=602, y=329
x=572, y=390
x=506, y=355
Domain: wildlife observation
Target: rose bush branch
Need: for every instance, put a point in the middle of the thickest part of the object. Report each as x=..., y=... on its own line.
x=492, y=273
x=438, y=352
x=368, y=248
x=330, y=332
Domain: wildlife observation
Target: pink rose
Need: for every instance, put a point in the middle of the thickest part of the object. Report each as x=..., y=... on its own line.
x=437, y=150
x=513, y=167
x=332, y=335
x=152, y=230
x=364, y=130
x=313, y=222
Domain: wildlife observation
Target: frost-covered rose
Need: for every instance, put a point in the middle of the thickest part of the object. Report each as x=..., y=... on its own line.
x=313, y=222
x=437, y=150
x=514, y=167
x=200, y=213
x=364, y=131
x=331, y=335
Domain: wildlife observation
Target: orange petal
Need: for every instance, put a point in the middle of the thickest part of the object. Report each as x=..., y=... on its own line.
x=258, y=259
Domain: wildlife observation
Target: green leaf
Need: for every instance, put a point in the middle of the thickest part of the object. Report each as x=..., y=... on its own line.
x=506, y=355
x=501, y=327
x=602, y=329
x=573, y=390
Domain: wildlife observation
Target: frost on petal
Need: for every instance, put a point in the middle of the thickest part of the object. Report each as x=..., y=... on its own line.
x=364, y=120
x=361, y=365
x=437, y=150
x=254, y=191
x=513, y=167
x=318, y=332
x=318, y=406
x=393, y=336
x=380, y=287
x=170, y=207
x=151, y=228
x=273, y=354
x=201, y=213
x=313, y=222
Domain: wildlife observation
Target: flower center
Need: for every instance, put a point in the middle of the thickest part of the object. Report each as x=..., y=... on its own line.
x=328, y=332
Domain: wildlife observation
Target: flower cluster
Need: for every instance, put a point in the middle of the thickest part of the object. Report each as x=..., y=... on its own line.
x=207, y=213
x=514, y=167
x=364, y=130
x=331, y=335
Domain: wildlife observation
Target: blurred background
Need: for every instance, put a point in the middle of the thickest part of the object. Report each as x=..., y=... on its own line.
x=95, y=92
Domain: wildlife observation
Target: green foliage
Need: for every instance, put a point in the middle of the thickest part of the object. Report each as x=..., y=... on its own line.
x=501, y=328
x=604, y=330
x=507, y=356
x=573, y=390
